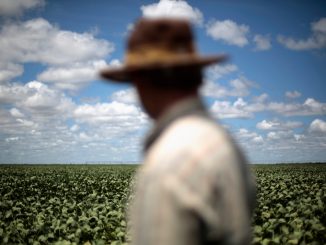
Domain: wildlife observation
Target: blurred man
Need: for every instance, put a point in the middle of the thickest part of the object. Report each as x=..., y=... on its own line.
x=194, y=186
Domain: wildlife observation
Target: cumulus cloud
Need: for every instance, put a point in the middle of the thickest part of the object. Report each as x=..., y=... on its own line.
x=9, y=71
x=226, y=109
x=117, y=124
x=287, y=146
x=280, y=135
x=299, y=137
x=127, y=96
x=12, y=139
x=317, y=39
x=263, y=42
x=278, y=125
x=243, y=109
x=17, y=7
x=245, y=133
x=10, y=93
x=74, y=128
x=238, y=88
x=245, y=136
x=283, y=143
x=36, y=98
x=266, y=125
x=44, y=101
x=308, y=108
x=258, y=139
x=72, y=77
x=72, y=58
x=217, y=71
x=292, y=94
x=228, y=31
x=42, y=120
x=115, y=63
x=16, y=113
x=37, y=116
x=318, y=126
x=261, y=98
x=115, y=112
x=37, y=40
x=172, y=9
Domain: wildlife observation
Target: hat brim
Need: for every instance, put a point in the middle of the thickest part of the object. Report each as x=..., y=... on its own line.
x=125, y=74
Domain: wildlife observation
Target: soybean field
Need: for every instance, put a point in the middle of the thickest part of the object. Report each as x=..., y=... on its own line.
x=86, y=204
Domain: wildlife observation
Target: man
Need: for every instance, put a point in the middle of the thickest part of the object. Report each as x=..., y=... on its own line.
x=194, y=186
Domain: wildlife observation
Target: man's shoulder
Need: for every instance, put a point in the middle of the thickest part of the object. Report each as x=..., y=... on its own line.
x=192, y=130
x=190, y=137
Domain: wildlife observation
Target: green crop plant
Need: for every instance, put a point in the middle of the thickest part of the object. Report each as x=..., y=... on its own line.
x=86, y=204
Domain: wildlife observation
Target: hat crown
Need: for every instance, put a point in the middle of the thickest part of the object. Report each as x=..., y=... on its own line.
x=169, y=34
x=157, y=45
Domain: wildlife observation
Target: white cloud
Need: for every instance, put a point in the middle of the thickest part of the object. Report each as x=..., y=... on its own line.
x=261, y=98
x=317, y=126
x=37, y=40
x=244, y=109
x=10, y=93
x=38, y=113
x=127, y=96
x=73, y=59
x=25, y=122
x=299, y=137
x=36, y=98
x=265, y=125
x=115, y=63
x=118, y=123
x=258, y=139
x=17, y=7
x=117, y=113
x=309, y=107
x=217, y=71
x=74, y=128
x=278, y=125
x=238, y=88
x=16, y=113
x=90, y=138
x=43, y=101
x=281, y=145
x=280, y=135
x=262, y=42
x=9, y=71
x=241, y=87
x=226, y=109
x=244, y=135
x=37, y=116
x=72, y=77
x=317, y=40
x=293, y=94
x=228, y=31
x=12, y=139
x=172, y=9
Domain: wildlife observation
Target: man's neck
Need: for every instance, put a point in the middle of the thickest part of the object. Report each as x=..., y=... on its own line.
x=170, y=100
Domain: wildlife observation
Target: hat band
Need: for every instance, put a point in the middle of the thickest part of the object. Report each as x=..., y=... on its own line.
x=149, y=55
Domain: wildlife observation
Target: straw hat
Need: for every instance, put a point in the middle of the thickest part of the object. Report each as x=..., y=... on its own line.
x=159, y=44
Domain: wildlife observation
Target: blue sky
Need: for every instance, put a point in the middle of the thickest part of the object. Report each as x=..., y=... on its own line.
x=270, y=95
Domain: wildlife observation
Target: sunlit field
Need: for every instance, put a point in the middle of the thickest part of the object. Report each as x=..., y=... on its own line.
x=86, y=204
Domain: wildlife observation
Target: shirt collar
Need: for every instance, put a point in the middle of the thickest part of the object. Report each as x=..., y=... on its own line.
x=189, y=106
